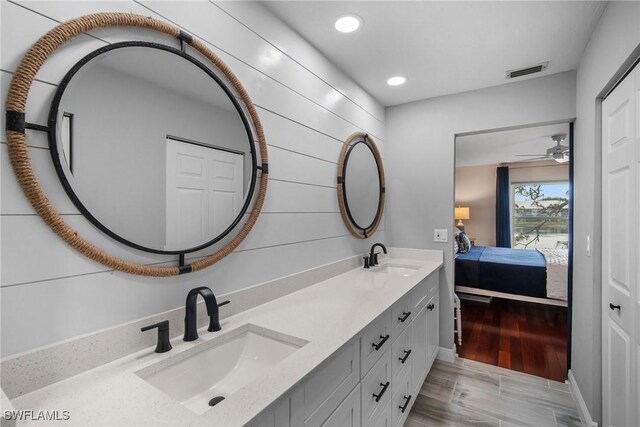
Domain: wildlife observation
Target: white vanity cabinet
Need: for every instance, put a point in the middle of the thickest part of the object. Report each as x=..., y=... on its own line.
x=419, y=333
x=373, y=381
x=433, y=327
x=376, y=390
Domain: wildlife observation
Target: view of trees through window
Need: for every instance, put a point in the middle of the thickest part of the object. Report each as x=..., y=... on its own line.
x=541, y=215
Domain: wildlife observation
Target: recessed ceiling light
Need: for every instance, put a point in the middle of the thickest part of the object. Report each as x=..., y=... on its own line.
x=348, y=23
x=396, y=81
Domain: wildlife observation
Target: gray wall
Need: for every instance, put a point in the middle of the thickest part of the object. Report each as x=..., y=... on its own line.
x=51, y=293
x=613, y=41
x=420, y=159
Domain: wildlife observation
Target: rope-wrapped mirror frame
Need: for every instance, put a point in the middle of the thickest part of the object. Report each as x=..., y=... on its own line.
x=19, y=154
x=353, y=229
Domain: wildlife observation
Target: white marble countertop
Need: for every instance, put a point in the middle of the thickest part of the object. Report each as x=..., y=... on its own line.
x=328, y=315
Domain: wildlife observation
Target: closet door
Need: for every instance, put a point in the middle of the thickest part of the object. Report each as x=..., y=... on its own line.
x=620, y=216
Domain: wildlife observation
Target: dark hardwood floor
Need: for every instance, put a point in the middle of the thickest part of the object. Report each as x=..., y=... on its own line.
x=521, y=336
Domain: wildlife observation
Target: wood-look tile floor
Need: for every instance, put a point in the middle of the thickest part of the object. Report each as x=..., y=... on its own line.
x=470, y=393
x=518, y=335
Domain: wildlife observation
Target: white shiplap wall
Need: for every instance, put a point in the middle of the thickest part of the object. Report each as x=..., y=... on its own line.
x=50, y=293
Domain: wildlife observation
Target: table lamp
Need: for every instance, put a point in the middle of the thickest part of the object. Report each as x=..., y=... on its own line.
x=460, y=214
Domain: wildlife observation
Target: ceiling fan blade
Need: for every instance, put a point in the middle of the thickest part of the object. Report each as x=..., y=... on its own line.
x=530, y=155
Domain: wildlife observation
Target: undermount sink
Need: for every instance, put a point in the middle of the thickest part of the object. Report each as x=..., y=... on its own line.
x=207, y=374
x=396, y=269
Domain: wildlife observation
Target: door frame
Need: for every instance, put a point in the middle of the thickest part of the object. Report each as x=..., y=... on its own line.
x=571, y=123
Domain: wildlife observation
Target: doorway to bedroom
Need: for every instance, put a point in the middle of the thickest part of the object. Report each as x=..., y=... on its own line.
x=513, y=225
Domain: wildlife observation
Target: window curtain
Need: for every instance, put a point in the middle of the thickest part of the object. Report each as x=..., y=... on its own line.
x=503, y=211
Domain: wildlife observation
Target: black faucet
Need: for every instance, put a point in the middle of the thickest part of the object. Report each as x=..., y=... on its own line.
x=190, y=319
x=163, y=344
x=373, y=257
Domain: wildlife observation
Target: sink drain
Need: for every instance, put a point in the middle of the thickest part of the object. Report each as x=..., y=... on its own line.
x=216, y=400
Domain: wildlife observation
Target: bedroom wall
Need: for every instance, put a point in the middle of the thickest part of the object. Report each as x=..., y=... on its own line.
x=615, y=40
x=420, y=159
x=475, y=186
x=50, y=293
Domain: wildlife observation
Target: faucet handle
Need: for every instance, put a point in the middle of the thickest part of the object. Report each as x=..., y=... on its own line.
x=214, y=322
x=366, y=262
x=164, y=344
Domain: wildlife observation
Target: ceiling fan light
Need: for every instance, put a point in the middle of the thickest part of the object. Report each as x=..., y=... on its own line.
x=562, y=159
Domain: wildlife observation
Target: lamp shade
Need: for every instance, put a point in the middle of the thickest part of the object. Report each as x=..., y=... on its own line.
x=461, y=213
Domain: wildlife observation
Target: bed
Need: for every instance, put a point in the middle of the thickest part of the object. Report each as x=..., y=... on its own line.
x=531, y=275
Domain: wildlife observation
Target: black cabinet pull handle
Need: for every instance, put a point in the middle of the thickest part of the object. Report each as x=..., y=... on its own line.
x=406, y=356
x=614, y=307
x=384, y=388
x=405, y=316
x=381, y=343
x=406, y=403
x=431, y=306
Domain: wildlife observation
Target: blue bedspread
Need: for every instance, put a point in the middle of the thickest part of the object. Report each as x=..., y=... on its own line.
x=513, y=271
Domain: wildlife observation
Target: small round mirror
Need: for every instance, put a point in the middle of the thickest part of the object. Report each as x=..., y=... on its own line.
x=361, y=185
x=152, y=147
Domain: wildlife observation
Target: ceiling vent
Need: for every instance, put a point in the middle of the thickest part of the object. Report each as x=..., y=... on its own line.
x=512, y=74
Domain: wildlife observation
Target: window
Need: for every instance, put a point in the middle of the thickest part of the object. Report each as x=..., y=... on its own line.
x=540, y=215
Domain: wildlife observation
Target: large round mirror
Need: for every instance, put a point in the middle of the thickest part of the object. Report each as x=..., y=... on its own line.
x=158, y=147
x=361, y=185
x=153, y=147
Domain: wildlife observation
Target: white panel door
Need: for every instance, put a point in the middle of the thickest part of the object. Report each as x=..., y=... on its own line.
x=620, y=215
x=186, y=198
x=204, y=192
x=225, y=189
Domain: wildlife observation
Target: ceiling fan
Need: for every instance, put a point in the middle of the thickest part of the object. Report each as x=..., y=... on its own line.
x=559, y=153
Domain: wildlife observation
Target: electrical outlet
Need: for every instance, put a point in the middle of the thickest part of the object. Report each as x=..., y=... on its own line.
x=440, y=235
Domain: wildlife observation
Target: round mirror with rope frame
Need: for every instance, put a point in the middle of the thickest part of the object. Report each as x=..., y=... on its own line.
x=19, y=156
x=353, y=220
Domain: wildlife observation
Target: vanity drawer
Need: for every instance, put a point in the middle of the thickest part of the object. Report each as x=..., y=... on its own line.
x=424, y=290
x=375, y=339
x=348, y=413
x=401, y=355
x=433, y=281
x=381, y=417
x=402, y=400
x=376, y=386
x=324, y=391
x=401, y=315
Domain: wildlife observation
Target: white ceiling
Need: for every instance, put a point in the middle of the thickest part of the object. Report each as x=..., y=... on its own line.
x=504, y=146
x=443, y=47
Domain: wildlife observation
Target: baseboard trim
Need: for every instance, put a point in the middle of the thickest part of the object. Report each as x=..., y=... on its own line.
x=582, y=406
x=447, y=354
